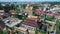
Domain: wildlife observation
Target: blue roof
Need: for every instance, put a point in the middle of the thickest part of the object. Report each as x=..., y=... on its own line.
x=29, y=0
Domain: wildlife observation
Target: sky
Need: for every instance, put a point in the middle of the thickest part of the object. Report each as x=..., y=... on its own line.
x=29, y=0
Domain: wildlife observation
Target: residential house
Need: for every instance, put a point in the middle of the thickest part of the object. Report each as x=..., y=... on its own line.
x=1, y=12
x=39, y=12
x=30, y=23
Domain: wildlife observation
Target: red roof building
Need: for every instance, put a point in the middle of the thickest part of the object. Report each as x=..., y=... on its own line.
x=30, y=23
x=38, y=11
x=12, y=12
x=50, y=14
x=57, y=16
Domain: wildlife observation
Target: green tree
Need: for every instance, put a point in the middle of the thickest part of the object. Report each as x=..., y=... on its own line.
x=6, y=31
x=57, y=26
x=49, y=17
x=35, y=7
x=24, y=5
x=16, y=32
x=36, y=30
x=1, y=31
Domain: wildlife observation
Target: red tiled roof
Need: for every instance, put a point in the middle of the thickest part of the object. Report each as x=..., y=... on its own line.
x=50, y=14
x=12, y=12
x=57, y=16
x=39, y=11
x=31, y=22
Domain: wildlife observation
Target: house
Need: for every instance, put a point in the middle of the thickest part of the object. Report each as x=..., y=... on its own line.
x=11, y=22
x=38, y=12
x=30, y=23
x=57, y=16
x=12, y=12
x=1, y=12
x=50, y=14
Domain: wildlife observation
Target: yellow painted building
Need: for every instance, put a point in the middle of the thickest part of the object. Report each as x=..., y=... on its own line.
x=29, y=9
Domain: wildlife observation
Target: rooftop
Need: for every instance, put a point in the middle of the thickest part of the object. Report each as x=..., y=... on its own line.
x=31, y=22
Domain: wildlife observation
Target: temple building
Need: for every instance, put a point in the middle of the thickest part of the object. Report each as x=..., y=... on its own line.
x=29, y=9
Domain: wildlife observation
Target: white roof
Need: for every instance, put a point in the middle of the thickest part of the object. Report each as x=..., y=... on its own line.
x=1, y=10
x=13, y=22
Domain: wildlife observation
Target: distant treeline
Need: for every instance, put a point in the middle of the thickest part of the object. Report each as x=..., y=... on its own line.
x=52, y=3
